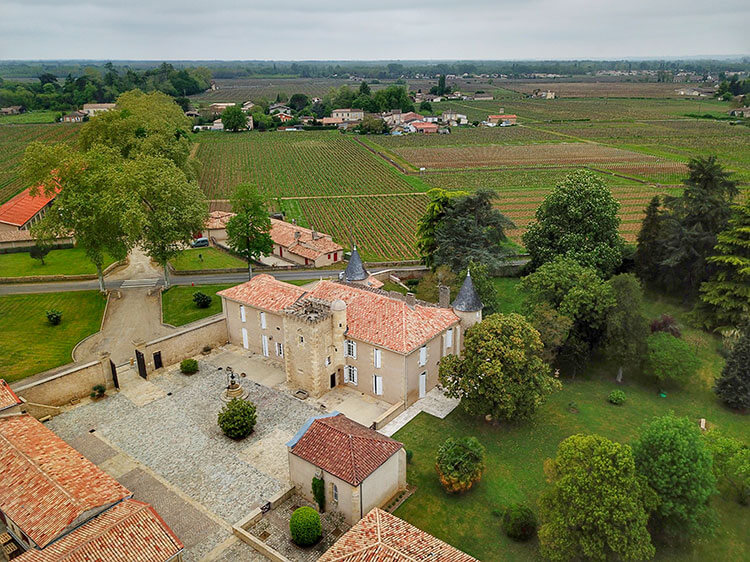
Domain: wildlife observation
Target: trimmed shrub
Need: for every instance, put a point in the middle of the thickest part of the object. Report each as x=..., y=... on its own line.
x=97, y=391
x=304, y=526
x=54, y=317
x=666, y=323
x=669, y=358
x=616, y=397
x=319, y=493
x=237, y=418
x=460, y=463
x=518, y=522
x=202, y=300
x=189, y=366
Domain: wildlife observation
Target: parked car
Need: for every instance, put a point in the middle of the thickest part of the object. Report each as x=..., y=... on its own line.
x=199, y=243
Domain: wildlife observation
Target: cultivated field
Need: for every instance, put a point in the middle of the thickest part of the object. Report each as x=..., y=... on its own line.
x=13, y=142
x=597, y=89
x=295, y=164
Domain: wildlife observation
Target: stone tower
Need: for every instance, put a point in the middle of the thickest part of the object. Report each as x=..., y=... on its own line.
x=468, y=307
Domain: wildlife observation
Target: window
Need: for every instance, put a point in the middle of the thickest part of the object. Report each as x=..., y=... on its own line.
x=263, y=320
x=449, y=337
x=279, y=349
x=264, y=342
x=377, y=385
x=328, y=360
x=351, y=349
x=242, y=312
x=335, y=492
x=350, y=374
x=423, y=355
x=376, y=358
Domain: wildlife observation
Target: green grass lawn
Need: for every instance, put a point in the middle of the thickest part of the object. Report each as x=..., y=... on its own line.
x=31, y=117
x=72, y=261
x=510, y=299
x=206, y=258
x=178, y=307
x=516, y=452
x=30, y=344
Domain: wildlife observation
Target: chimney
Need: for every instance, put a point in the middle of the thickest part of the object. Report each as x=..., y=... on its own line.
x=297, y=234
x=444, y=299
x=313, y=233
x=411, y=300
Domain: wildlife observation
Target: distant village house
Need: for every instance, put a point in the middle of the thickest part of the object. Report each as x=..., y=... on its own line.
x=348, y=114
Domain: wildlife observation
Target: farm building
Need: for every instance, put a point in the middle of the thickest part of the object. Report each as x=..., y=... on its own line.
x=216, y=226
x=360, y=468
x=543, y=95
x=332, y=121
x=304, y=246
x=348, y=114
x=12, y=110
x=739, y=112
x=217, y=108
x=383, y=344
x=92, y=109
x=501, y=119
x=280, y=108
x=74, y=117
x=57, y=505
x=284, y=117
x=24, y=210
x=247, y=106
x=483, y=97
x=454, y=118
x=424, y=127
x=380, y=535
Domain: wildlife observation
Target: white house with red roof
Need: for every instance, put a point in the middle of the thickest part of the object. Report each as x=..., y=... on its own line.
x=383, y=344
x=304, y=246
x=360, y=468
x=24, y=210
x=57, y=505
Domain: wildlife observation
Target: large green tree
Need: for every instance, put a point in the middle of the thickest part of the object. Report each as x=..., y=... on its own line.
x=248, y=231
x=163, y=208
x=627, y=326
x=671, y=454
x=733, y=386
x=598, y=506
x=427, y=225
x=692, y=223
x=500, y=373
x=233, y=118
x=577, y=220
x=669, y=358
x=89, y=205
x=726, y=295
x=731, y=465
x=648, y=254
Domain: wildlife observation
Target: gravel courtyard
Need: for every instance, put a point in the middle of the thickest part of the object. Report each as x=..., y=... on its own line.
x=170, y=451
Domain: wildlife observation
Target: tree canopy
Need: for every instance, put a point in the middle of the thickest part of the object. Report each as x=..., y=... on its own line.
x=627, y=326
x=577, y=220
x=233, y=118
x=733, y=386
x=248, y=231
x=597, y=507
x=500, y=372
x=669, y=358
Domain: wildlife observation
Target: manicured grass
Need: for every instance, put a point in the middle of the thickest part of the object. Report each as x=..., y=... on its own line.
x=30, y=344
x=510, y=299
x=72, y=261
x=516, y=453
x=206, y=258
x=31, y=117
x=178, y=307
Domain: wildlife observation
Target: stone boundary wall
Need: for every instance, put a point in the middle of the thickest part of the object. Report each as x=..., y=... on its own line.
x=20, y=246
x=388, y=415
x=241, y=528
x=48, y=278
x=71, y=383
x=186, y=342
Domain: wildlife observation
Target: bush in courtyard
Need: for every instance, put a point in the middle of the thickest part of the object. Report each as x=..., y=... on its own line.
x=460, y=463
x=304, y=526
x=202, y=300
x=518, y=522
x=97, y=391
x=54, y=317
x=616, y=397
x=666, y=323
x=237, y=419
x=189, y=366
x=319, y=493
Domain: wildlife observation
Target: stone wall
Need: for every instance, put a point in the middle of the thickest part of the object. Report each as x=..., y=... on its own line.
x=186, y=342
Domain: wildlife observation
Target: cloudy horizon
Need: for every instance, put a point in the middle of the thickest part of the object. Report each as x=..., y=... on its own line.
x=331, y=30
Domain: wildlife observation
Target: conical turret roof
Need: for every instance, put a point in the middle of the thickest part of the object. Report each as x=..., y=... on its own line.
x=355, y=269
x=467, y=299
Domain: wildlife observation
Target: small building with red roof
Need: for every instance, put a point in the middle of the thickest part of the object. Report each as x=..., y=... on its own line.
x=24, y=210
x=425, y=127
x=502, y=119
x=304, y=246
x=9, y=402
x=360, y=468
x=381, y=536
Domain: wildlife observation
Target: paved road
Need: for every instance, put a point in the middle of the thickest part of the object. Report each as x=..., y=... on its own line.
x=118, y=278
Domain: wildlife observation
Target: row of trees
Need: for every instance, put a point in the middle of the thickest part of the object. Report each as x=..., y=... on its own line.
x=128, y=181
x=104, y=85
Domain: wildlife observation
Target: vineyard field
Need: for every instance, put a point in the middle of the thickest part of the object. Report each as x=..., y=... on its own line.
x=469, y=137
x=295, y=164
x=13, y=142
x=601, y=89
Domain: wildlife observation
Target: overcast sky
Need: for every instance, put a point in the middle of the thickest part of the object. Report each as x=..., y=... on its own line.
x=384, y=29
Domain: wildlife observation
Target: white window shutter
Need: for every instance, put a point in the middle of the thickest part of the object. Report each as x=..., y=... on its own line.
x=263, y=320
x=242, y=312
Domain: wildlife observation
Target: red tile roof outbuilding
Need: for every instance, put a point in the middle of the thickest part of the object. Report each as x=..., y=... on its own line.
x=21, y=209
x=8, y=398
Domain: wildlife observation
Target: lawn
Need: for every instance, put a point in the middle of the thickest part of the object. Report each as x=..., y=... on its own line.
x=30, y=344
x=509, y=298
x=31, y=117
x=72, y=261
x=516, y=452
x=206, y=258
x=178, y=307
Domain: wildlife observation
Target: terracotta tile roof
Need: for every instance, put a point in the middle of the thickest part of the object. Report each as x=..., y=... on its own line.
x=218, y=219
x=8, y=398
x=130, y=531
x=430, y=126
x=332, y=120
x=21, y=209
x=344, y=448
x=374, y=317
x=502, y=116
x=411, y=116
x=46, y=484
x=263, y=291
x=282, y=234
x=15, y=236
x=381, y=537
